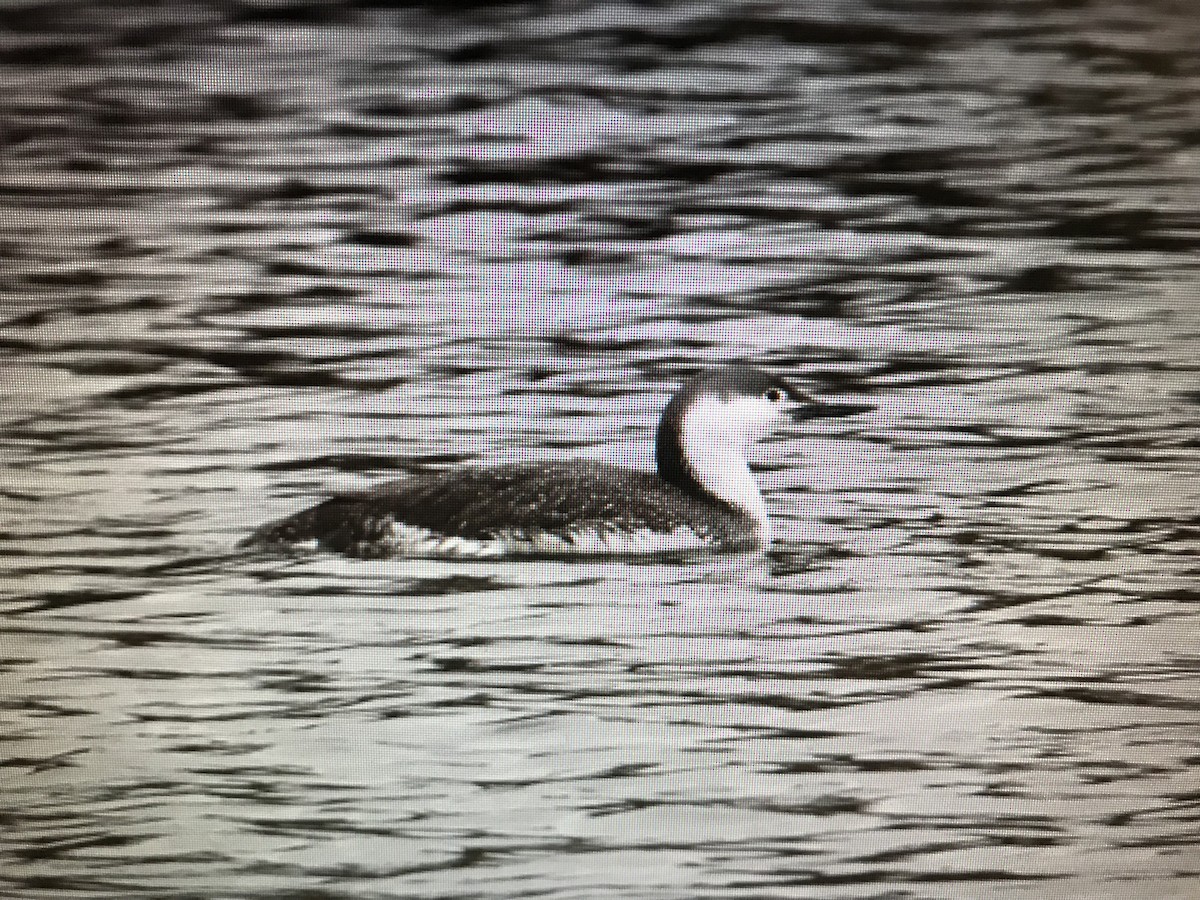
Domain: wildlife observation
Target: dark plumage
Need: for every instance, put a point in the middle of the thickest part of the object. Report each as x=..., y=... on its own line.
x=479, y=504
x=708, y=500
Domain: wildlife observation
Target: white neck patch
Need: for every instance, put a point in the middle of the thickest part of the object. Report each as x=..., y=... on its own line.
x=715, y=435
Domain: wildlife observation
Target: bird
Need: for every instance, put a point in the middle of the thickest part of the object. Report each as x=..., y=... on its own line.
x=702, y=496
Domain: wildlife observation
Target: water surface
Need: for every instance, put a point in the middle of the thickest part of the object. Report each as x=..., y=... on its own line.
x=253, y=253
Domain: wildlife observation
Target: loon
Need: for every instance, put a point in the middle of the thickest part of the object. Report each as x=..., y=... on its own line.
x=702, y=496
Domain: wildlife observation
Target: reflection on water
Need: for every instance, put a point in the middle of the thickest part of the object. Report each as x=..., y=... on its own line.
x=254, y=252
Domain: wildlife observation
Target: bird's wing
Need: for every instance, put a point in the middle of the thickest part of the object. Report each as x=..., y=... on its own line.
x=477, y=503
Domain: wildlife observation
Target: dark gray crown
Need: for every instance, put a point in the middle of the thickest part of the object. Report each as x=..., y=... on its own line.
x=727, y=382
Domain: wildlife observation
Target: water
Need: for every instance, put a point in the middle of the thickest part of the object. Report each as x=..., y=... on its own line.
x=257, y=252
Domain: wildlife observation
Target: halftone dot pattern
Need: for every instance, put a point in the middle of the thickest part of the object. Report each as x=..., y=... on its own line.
x=257, y=253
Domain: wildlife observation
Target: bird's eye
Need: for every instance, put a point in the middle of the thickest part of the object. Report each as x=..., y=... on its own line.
x=773, y=394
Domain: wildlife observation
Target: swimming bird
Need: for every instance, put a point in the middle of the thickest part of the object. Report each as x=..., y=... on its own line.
x=702, y=496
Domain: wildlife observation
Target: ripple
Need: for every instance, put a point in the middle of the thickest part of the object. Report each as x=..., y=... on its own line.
x=259, y=253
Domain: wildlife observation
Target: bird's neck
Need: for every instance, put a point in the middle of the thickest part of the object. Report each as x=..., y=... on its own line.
x=704, y=454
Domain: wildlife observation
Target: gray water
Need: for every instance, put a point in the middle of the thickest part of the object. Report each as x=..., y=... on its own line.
x=253, y=253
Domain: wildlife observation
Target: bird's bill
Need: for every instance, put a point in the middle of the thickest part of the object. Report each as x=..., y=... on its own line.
x=820, y=409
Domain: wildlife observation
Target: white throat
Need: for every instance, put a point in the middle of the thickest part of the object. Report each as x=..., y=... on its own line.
x=714, y=441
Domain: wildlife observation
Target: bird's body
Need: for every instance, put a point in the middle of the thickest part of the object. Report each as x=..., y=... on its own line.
x=702, y=496
x=523, y=509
